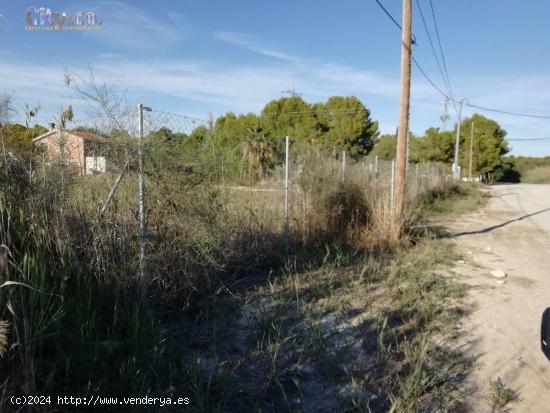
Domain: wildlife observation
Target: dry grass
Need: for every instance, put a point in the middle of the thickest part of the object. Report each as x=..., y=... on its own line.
x=538, y=175
x=352, y=332
x=386, y=230
x=206, y=246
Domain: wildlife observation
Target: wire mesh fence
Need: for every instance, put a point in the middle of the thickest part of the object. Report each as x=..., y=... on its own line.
x=163, y=186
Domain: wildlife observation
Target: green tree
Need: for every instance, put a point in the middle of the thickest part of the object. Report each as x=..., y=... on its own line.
x=385, y=147
x=227, y=142
x=164, y=136
x=346, y=125
x=18, y=138
x=434, y=146
x=489, y=145
x=260, y=152
x=290, y=116
x=199, y=134
x=192, y=145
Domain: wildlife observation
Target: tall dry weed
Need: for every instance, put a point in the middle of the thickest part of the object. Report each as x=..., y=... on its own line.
x=386, y=228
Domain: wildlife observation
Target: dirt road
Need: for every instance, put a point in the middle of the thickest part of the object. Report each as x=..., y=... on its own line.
x=511, y=234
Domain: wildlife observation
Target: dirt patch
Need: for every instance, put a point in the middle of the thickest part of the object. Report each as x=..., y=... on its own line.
x=357, y=333
x=511, y=234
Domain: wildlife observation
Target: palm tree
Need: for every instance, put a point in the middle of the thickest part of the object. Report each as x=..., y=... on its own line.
x=259, y=151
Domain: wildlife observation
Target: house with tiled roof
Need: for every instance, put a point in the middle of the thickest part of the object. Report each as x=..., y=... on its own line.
x=83, y=152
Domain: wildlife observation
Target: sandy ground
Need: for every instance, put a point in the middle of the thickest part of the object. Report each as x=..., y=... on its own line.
x=502, y=328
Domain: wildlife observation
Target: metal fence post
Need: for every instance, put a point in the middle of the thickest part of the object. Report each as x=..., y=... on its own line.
x=287, y=229
x=142, y=280
x=343, y=165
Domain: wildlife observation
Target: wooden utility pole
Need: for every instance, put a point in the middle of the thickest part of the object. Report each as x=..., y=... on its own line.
x=403, y=131
x=471, y=152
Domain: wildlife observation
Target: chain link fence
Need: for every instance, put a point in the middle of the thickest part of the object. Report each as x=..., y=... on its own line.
x=164, y=188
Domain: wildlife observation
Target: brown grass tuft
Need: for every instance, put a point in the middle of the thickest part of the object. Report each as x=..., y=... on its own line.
x=386, y=229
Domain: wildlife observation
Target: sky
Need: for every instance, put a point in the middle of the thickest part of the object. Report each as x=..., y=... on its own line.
x=198, y=57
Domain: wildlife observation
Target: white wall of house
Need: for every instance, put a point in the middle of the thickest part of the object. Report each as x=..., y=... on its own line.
x=96, y=164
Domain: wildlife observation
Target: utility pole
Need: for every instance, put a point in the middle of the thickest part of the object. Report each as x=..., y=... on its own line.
x=471, y=152
x=408, y=151
x=445, y=115
x=456, y=169
x=392, y=183
x=403, y=131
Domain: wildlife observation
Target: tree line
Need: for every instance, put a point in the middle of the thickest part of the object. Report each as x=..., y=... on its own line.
x=487, y=145
x=253, y=144
x=339, y=124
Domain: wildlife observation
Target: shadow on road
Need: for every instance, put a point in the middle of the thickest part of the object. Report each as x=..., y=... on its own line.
x=493, y=227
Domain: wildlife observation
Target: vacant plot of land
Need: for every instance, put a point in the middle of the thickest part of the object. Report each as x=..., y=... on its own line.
x=347, y=316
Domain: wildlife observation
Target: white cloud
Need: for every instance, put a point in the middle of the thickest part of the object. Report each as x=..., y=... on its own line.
x=248, y=42
x=195, y=87
x=129, y=26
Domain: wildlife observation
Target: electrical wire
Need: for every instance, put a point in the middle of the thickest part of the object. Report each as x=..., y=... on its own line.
x=422, y=71
x=351, y=110
x=441, y=51
x=389, y=15
x=529, y=139
x=446, y=78
x=445, y=73
x=413, y=38
x=428, y=78
x=433, y=47
x=505, y=112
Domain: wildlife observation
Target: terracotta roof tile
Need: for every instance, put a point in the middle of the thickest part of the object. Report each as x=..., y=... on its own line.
x=87, y=136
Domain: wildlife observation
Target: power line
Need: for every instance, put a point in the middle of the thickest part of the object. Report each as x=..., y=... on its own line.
x=505, y=112
x=312, y=112
x=389, y=15
x=529, y=139
x=445, y=73
x=413, y=58
x=442, y=53
x=432, y=46
x=413, y=39
x=429, y=80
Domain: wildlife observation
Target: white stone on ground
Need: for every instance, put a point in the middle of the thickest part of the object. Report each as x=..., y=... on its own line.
x=498, y=274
